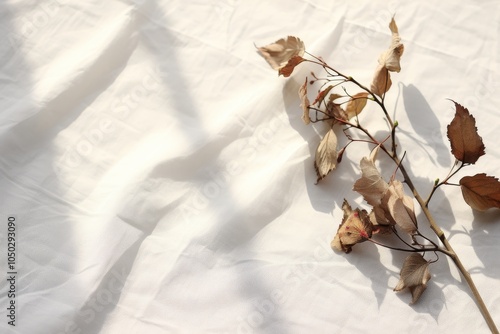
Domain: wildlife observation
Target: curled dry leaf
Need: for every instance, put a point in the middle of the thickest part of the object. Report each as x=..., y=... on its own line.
x=280, y=52
x=399, y=208
x=326, y=155
x=287, y=70
x=304, y=103
x=466, y=144
x=355, y=228
x=414, y=275
x=381, y=81
x=371, y=185
x=480, y=191
x=334, y=109
x=390, y=59
x=356, y=104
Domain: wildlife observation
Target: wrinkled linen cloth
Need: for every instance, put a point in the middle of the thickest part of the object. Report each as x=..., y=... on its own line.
x=157, y=177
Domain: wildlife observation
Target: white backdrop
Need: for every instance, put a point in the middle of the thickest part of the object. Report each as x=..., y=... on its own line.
x=162, y=180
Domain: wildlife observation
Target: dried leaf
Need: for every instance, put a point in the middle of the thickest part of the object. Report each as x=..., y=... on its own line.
x=480, y=191
x=280, y=52
x=390, y=59
x=466, y=145
x=321, y=95
x=414, y=275
x=356, y=104
x=399, y=208
x=381, y=81
x=326, y=155
x=287, y=70
x=334, y=109
x=304, y=103
x=371, y=185
x=355, y=228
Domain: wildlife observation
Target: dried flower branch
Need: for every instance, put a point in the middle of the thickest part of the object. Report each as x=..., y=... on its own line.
x=392, y=210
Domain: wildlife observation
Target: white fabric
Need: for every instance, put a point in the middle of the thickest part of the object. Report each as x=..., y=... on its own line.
x=162, y=179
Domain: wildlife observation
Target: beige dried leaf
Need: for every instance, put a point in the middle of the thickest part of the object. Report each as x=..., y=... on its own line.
x=304, y=103
x=371, y=185
x=414, y=275
x=390, y=59
x=381, y=81
x=399, y=208
x=356, y=104
x=355, y=228
x=280, y=52
x=326, y=155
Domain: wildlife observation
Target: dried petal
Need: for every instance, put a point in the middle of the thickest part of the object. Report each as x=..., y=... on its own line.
x=480, y=191
x=355, y=228
x=466, y=144
x=326, y=155
x=304, y=103
x=414, y=275
x=280, y=52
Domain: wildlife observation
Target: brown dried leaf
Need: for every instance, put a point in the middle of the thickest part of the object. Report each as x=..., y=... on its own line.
x=356, y=104
x=466, y=145
x=321, y=95
x=287, y=70
x=355, y=228
x=480, y=191
x=399, y=208
x=326, y=155
x=304, y=103
x=334, y=109
x=381, y=81
x=414, y=275
x=280, y=52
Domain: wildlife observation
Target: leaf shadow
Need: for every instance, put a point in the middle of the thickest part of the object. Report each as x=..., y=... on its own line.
x=366, y=258
x=425, y=125
x=484, y=236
